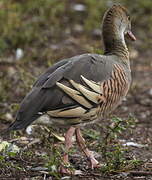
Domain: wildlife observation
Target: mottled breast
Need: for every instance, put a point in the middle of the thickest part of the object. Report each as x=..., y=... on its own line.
x=114, y=89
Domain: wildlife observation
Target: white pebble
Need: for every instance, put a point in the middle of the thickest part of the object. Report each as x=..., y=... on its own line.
x=19, y=53
x=135, y=144
x=79, y=7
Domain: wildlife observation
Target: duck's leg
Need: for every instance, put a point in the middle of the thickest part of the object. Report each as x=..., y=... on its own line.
x=85, y=150
x=68, y=144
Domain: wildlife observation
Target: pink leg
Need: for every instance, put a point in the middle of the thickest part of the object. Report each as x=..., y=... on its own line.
x=85, y=150
x=68, y=144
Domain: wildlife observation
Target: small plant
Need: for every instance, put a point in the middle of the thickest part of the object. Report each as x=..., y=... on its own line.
x=113, y=152
x=115, y=159
x=92, y=134
x=116, y=128
x=53, y=162
x=6, y=162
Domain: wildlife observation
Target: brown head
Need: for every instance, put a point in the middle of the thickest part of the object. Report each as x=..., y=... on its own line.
x=116, y=25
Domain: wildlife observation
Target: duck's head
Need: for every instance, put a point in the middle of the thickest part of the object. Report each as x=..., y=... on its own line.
x=118, y=19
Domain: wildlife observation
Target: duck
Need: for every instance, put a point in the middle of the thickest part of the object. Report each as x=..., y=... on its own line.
x=85, y=88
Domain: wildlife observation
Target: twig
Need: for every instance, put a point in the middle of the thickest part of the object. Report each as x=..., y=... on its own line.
x=35, y=141
x=140, y=173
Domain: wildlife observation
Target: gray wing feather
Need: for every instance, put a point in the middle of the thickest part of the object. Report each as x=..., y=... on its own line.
x=93, y=67
x=44, y=77
x=57, y=75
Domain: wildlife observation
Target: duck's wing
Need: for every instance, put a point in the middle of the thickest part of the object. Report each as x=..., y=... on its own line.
x=45, y=76
x=47, y=93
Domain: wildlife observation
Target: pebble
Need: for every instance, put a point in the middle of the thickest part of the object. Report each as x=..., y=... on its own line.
x=79, y=7
x=29, y=130
x=8, y=117
x=134, y=144
x=19, y=53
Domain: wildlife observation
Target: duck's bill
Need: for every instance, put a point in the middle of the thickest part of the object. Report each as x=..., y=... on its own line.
x=131, y=35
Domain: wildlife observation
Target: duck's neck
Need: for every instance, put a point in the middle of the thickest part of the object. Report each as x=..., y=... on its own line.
x=114, y=42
